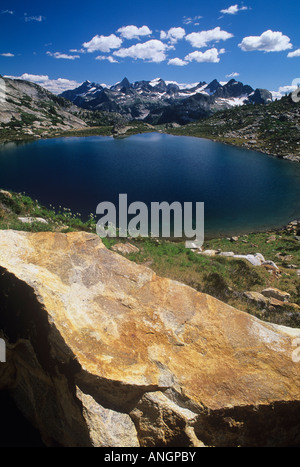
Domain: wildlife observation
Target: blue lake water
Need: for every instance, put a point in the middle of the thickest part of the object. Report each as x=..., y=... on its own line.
x=242, y=190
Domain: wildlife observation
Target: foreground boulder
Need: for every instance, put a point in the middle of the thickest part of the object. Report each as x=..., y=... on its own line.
x=102, y=352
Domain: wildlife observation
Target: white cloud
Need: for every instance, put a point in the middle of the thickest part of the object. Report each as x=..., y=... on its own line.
x=7, y=12
x=173, y=35
x=33, y=78
x=201, y=39
x=233, y=75
x=56, y=86
x=6, y=54
x=152, y=51
x=268, y=41
x=194, y=20
x=109, y=58
x=177, y=62
x=39, y=18
x=63, y=56
x=209, y=56
x=296, y=53
x=103, y=43
x=233, y=10
x=276, y=95
x=287, y=89
x=79, y=51
x=133, y=32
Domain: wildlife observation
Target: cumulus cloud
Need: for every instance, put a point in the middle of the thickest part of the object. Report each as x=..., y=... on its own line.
x=56, y=86
x=202, y=38
x=151, y=51
x=287, y=89
x=268, y=41
x=296, y=53
x=7, y=54
x=133, y=32
x=283, y=90
x=63, y=56
x=233, y=10
x=177, y=62
x=108, y=58
x=209, y=56
x=173, y=35
x=103, y=43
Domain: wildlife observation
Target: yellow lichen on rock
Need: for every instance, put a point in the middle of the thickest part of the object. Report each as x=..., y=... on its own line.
x=132, y=333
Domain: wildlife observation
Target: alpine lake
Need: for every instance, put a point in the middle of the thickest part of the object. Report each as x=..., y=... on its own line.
x=243, y=191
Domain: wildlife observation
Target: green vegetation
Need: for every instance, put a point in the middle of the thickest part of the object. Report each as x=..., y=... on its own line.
x=17, y=205
x=224, y=278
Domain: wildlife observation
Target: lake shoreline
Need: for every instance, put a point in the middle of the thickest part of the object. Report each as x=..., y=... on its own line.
x=109, y=131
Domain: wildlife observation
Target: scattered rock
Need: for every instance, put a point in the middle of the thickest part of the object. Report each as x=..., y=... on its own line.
x=277, y=294
x=271, y=299
x=275, y=304
x=270, y=263
x=209, y=252
x=125, y=248
x=256, y=297
x=255, y=260
x=284, y=257
x=272, y=270
x=7, y=194
x=31, y=220
x=234, y=239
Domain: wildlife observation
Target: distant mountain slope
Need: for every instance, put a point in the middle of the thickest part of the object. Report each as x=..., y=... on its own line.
x=273, y=128
x=28, y=110
x=158, y=102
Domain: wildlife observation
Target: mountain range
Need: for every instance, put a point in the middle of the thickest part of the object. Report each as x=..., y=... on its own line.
x=159, y=101
x=29, y=111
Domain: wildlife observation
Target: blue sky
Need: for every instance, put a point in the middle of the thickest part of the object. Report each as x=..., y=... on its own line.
x=61, y=43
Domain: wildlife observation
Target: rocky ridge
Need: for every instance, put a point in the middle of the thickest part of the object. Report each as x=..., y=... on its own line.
x=272, y=128
x=29, y=111
x=158, y=102
x=103, y=352
x=32, y=109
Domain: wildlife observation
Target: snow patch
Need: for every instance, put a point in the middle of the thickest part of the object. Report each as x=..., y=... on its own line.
x=155, y=82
